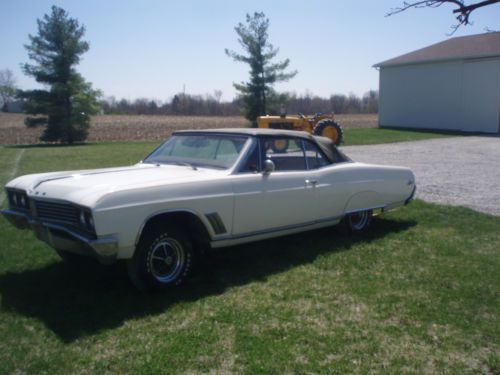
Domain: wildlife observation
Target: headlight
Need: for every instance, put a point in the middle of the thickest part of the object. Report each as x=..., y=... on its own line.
x=18, y=199
x=86, y=219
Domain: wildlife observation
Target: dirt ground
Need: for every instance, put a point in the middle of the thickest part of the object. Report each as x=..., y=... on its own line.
x=133, y=128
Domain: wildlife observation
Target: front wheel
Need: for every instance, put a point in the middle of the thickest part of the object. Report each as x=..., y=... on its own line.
x=163, y=259
x=358, y=222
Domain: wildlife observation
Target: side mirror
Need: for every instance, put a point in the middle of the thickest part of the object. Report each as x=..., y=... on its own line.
x=268, y=166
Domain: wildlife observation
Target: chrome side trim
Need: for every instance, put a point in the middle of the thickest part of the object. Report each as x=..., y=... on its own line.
x=277, y=229
x=333, y=219
x=366, y=209
x=216, y=223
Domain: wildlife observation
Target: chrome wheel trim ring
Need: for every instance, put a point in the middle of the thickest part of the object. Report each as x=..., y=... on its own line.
x=166, y=260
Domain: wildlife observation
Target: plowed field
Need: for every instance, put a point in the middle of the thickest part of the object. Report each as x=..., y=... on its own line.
x=127, y=127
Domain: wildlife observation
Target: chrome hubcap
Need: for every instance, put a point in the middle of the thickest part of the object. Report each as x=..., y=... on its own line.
x=166, y=260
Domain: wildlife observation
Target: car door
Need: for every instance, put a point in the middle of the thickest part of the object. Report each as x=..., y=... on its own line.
x=278, y=200
x=331, y=188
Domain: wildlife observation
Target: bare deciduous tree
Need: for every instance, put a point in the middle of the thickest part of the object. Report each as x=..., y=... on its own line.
x=218, y=95
x=462, y=10
x=7, y=88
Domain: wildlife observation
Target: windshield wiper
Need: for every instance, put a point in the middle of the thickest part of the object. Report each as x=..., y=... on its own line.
x=158, y=163
x=184, y=163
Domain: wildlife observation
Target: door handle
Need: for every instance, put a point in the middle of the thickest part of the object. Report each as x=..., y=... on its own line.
x=311, y=182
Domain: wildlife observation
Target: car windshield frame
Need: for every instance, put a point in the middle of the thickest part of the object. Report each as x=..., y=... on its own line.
x=205, y=146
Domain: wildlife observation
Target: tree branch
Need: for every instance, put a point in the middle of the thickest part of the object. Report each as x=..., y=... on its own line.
x=462, y=11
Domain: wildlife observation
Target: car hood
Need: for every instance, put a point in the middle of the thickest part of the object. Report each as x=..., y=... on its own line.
x=87, y=187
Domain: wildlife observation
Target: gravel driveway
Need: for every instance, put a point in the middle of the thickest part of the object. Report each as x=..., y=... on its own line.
x=461, y=171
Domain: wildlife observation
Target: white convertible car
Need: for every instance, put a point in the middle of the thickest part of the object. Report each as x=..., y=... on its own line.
x=200, y=189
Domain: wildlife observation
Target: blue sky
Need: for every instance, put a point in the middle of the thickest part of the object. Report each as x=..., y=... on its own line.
x=153, y=48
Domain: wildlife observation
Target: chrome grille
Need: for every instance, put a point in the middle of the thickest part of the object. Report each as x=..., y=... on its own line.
x=63, y=212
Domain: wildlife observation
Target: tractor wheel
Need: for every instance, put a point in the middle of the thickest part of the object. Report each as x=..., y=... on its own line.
x=279, y=146
x=330, y=129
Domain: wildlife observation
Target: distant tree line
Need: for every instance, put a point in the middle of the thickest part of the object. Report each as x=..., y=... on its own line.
x=180, y=104
x=212, y=105
x=337, y=103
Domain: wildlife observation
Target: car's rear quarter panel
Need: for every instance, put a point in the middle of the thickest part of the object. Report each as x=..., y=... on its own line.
x=353, y=187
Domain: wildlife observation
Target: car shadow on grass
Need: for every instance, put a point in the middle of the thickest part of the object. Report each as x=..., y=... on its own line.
x=74, y=303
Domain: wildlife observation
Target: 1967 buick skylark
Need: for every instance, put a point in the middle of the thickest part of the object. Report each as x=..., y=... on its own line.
x=200, y=189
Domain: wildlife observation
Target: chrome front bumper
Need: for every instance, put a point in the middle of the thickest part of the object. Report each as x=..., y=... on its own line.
x=105, y=249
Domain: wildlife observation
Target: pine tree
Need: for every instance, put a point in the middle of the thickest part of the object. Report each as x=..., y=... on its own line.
x=67, y=103
x=259, y=54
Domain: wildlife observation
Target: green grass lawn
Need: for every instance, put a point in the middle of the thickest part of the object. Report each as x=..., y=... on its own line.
x=372, y=136
x=419, y=294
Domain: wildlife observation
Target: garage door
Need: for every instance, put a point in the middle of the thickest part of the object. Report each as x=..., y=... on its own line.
x=481, y=96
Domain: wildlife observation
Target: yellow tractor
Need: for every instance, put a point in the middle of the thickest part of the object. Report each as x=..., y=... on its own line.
x=319, y=124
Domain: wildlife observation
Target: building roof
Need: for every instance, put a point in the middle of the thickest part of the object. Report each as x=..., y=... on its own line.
x=458, y=48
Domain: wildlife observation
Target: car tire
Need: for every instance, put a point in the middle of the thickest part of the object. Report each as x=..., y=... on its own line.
x=330, y=129
x=358, y=222
x=163, y=259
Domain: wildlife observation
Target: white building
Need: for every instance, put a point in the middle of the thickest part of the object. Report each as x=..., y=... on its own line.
x=452, y=85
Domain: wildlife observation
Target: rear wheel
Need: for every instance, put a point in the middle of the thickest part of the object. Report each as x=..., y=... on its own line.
x=163, y=259
x=330, y=129
x=359, y=222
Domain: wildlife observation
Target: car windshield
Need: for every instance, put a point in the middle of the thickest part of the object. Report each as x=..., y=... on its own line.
x=199, y=150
